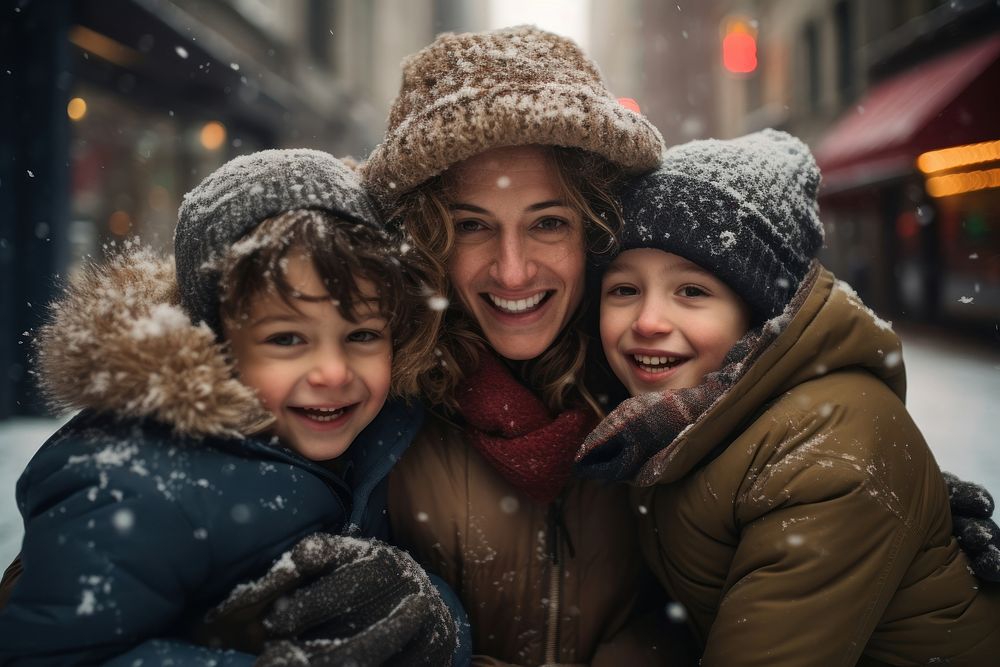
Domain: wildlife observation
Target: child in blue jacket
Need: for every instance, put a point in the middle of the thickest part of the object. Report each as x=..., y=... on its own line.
x=235, y=414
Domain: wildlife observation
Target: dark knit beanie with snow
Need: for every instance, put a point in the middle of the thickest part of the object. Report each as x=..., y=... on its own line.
x=744, y=209
x=465, y=94
x=241, y=194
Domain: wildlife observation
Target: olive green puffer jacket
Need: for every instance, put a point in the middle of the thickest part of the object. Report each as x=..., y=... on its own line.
x=802, y=520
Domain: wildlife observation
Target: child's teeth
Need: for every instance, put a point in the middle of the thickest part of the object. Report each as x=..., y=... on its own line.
x=323, y=414
x=655, y=363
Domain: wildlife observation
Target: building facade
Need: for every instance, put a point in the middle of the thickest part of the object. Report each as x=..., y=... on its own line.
x=111, y=109
x=871, y=86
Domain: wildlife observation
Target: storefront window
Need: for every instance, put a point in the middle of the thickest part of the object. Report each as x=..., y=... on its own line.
x=130, y=167
x=971, y=248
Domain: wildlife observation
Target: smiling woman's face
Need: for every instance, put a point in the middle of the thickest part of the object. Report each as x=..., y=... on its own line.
x=518, y=259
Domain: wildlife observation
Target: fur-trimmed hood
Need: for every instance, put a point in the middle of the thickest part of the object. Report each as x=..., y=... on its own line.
x=118, y=342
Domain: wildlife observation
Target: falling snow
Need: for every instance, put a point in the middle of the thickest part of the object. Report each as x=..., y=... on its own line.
x=437, y=302
x=676, y=612
x=509, y=504
x=123, y=520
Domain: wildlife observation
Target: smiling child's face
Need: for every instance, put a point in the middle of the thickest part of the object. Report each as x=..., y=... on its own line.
x=323, y=377
x=665, y=321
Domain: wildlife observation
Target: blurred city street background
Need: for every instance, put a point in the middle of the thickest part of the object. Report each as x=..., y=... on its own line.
x=111, y=109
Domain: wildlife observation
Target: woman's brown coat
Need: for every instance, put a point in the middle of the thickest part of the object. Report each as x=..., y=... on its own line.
x=493, y=545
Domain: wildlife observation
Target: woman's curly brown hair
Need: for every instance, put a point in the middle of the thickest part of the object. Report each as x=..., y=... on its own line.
x=588, y=182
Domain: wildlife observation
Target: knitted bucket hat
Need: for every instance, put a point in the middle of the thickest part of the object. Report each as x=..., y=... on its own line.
x=465, y=94
x=242, y=193
x=744, y=209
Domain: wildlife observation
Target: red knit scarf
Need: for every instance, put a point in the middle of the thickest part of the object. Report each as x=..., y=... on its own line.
x=513, y=430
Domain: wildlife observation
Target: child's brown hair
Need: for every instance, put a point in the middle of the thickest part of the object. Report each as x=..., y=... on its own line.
x=344, y=254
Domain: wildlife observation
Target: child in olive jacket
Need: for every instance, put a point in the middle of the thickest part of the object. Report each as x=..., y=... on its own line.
x=786, y=498
x=232, y=418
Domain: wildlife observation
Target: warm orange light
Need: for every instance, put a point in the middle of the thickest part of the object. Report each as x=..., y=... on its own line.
x=739, y=45
x=959, y=156
x=966, y=181
x=77, y=108
x=103, y=46
x=119, y=223
x=213, y=134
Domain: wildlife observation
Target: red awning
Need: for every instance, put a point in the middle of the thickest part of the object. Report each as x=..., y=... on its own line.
x=946, y=101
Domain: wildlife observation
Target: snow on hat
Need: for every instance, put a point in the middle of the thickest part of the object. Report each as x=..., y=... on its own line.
x=744, y=209
x=467, y=93
x=242, y=193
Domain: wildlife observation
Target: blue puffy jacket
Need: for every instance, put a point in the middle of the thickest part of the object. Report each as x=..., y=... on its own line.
x=141, y=513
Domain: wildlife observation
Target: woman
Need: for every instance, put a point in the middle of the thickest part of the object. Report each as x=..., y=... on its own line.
x=470, y=167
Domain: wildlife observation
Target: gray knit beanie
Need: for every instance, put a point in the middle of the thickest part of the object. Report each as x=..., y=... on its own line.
x=465, y=94
x=241, y=194
x=744, y=209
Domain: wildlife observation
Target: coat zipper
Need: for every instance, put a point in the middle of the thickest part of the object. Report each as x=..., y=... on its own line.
x=556, y=534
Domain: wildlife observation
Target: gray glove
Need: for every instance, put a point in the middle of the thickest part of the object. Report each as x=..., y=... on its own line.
x=977, y=534
x=335, y=600
x=402, y=637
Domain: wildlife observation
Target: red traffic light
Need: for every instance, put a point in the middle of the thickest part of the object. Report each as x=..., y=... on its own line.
x=739, y=46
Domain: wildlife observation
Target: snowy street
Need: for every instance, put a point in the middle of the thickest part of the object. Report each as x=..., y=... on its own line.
x=953, y=389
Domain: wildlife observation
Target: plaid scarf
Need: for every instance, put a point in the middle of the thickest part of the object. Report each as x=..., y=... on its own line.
x=629, y=444
x=513, y=430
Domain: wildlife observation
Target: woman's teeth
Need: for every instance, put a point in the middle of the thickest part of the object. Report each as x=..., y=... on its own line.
x=323, y=414
x=518, y=305
x=655, y=364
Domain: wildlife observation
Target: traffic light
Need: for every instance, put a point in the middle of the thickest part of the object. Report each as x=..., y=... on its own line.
x=739, y=45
